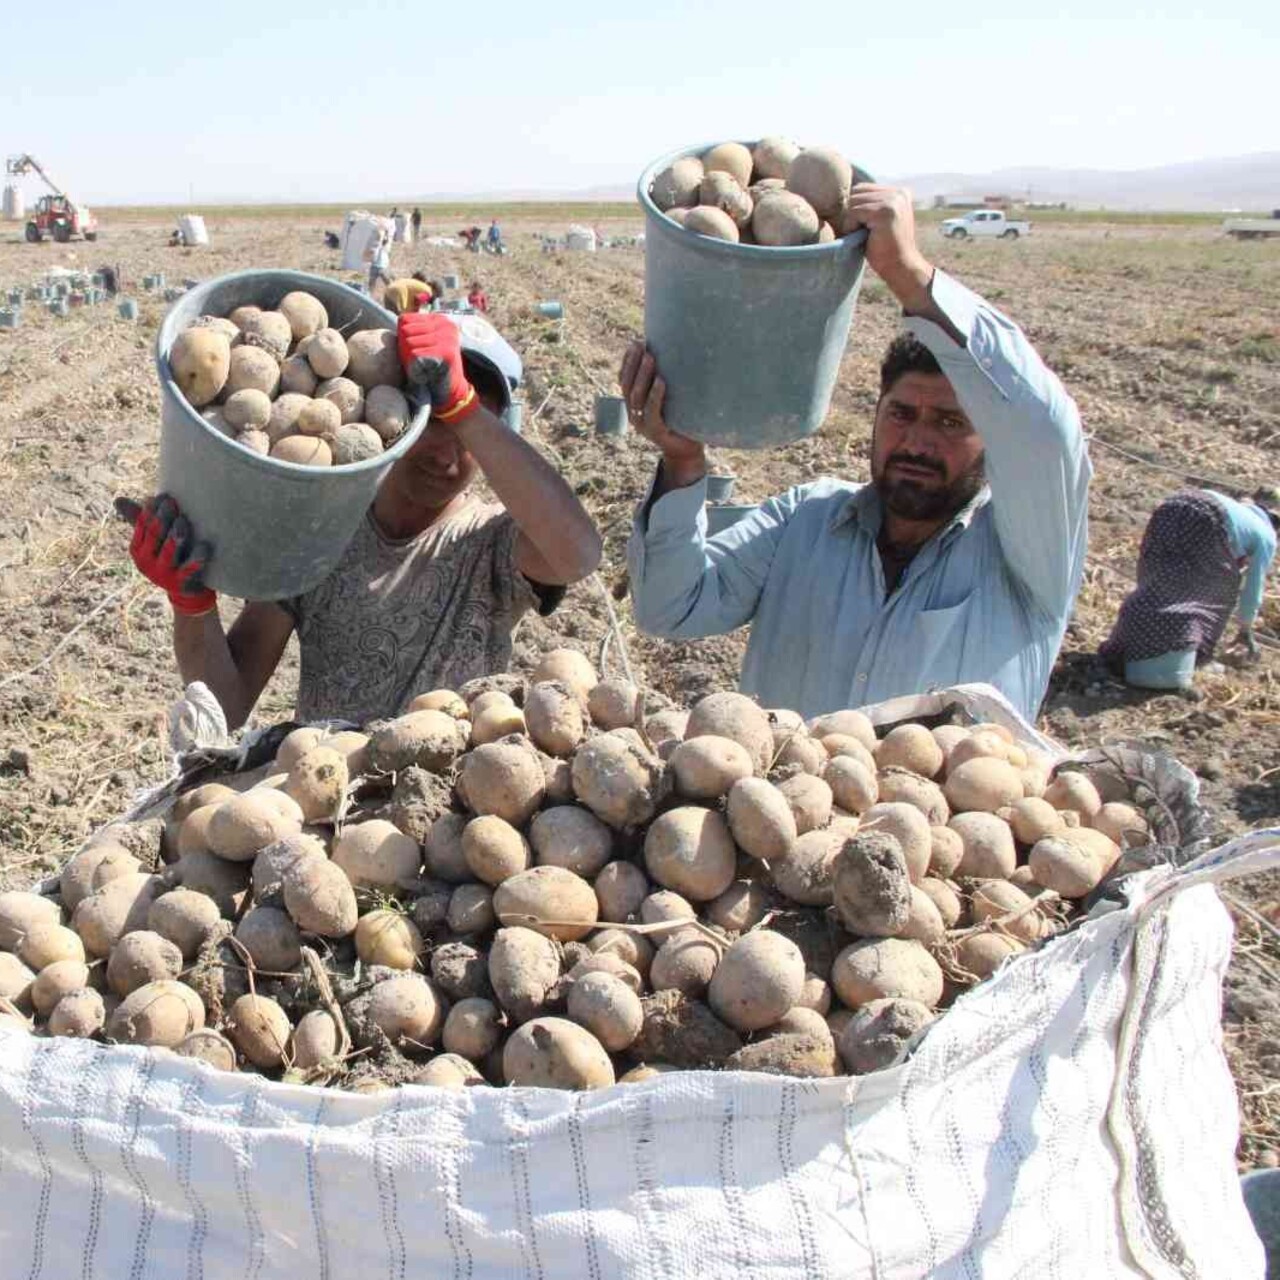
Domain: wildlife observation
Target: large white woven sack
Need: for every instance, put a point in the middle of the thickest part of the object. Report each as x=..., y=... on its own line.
x=1073, y=1118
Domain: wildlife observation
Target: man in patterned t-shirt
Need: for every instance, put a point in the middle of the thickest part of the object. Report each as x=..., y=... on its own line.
x=429, y=590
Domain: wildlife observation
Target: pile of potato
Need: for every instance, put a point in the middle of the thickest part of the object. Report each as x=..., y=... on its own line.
x=540, y=884
x=284, y=383
x=772, y=193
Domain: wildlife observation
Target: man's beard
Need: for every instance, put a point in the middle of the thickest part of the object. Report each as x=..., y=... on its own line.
x=910, y=500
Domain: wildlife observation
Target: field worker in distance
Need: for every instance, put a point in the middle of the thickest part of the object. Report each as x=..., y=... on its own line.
x=1203, y=554
x=478, y=298
x=411, y=294
x=428, y=592
x=495, y=237
x=960, y=560
x=380, y=266
x=416, y=220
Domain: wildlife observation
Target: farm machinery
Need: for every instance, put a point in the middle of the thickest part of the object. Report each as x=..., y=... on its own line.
x=55, y=214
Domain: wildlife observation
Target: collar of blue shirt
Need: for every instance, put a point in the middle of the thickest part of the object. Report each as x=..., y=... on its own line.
x=862, y=507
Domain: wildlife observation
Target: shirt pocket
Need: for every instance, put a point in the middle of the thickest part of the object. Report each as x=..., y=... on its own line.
x=938, y=639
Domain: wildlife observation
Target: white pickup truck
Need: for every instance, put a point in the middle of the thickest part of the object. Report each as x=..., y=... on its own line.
x=984, y=222
x=1253, y=228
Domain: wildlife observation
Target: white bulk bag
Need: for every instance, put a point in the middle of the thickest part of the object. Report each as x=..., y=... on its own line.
x=193, y=230
x=582, y=239
x=360, y=233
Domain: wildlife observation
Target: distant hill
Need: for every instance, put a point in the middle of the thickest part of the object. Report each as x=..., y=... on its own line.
x=1235, y=182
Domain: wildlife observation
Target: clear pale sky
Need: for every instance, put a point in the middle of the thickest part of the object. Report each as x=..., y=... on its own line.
x=139, y=103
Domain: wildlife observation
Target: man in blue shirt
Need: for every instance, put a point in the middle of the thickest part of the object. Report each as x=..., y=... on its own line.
x=958, y=562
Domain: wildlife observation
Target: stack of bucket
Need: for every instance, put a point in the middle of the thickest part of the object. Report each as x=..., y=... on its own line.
x=127, y=309
x=10, y=317
x=58, y=306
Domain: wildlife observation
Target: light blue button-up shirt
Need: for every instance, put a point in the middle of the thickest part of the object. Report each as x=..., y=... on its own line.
x=1253, y=539
x=987, y=598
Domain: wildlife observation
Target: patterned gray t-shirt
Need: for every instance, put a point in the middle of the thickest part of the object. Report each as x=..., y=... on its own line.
x=397, y=618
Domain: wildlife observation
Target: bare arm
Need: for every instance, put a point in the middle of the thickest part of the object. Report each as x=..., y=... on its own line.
x=236, y=665
x=558, y=543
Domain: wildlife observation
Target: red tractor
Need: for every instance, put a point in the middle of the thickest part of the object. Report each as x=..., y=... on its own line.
x=55, y=215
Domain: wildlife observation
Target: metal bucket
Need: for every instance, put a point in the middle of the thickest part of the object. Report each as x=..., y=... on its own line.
x=611, y=416
x=58, y=306
x=1261, y=1191
x=747, y=337
x=722, y=517
x=127, y=309
x=449, y=281
x=552, y=310
x=277, y=528
x=10, y=317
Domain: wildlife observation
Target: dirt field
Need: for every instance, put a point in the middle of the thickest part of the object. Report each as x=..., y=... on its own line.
x=1169, y=338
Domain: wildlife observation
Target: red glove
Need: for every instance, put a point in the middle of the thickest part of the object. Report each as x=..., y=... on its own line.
x=431, y=353
x=166, y=553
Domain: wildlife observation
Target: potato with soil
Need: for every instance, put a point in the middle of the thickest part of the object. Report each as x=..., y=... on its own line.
x=944, y=898
x=706, y=767
x=139, y=958
x=686, y=962
x=616, y=780
x=207, y=1045
x=160, y=1013
x=389, y=938
x=782, y=218
x=809, y=799
x=353, y=442
x=318, y=784
x=408, y=1010
x=494, y=850
x=252, y=368
x=757, y=980
x=387, y=411
x=16, y=981
x=547, y=894
x=261, y=1030
x=119, y=907
x=608, y=1008
x=989, y=850
x=720, y=190
x=274, y=862
x=620, y=888
x=47, y=943
x=901, y=786
x=909, y=827
x=53, y=982
x=327, y=354
x=1033, y=819
x=847, y=723
x=495, y=721
x=571, y=837
x=1121, y=823
x=871, y=885
x=80, y=1015
x=375, y=855
x=1016, y=911
x=1074, y=792
x=878, y=1033
x=804, y=1055
x=524, y=971
x=886, y=969
x=1066, y=864
x=373, y=359
x=202, y=872
x=807, y=873
x=20, y=912
x=556, y=717
x=271, y=939
x=690, y=850
x=554, y=1053
x=269, y=330
x=319, y=898
x=613, y=703
x=473, y=1029
x=737, y=717
x=241, y=827
x=854, y=786
x=442, y=849
x=683, y=1033
x=429, y=739
x=946, y=851
x=248, y=410
x=982, y=785
x=304, y=312
x=981, y=954
x=676, y=187
x=503, y=779
x=201, y=363
x=740, y=907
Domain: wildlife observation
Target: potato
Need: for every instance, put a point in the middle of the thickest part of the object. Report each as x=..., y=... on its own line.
x=800, y=1020
x=201, y=363
x=16, y=981
x=569, y=667
x=806, y=875
x=252, y=368
x=878, y=1033
x=494, y=849
x=327, y=353
x=296, y=745
x=374, y=359
x=318, y=783
x=79, y=1014
x=244, y=825
x=608, y=1008
x=445, y=858
x=676, y=187
x=555, y=1053
x=271, y=938
x=249, y=409
x=319, y=898
x=1034, y=818
x=909, y=827
x=141, y=957
x=946, y=850
x=315, y=1039
x=803, y=752
x=690, y=850
x=207, y=1045
x=495, y=721
x=994, y=899
x=771, y=158
x=731, y=158
x=318, y=418
x=386, y=411
x=737, y=717
x=635, y=950
x=473, y=1029
x=119, y=907
x=709, y=221
x=979, y=744
x=117, y=863
x=1121, y=823
x=219, y=324
x=740, y=907
x=854, y=787
x=924, y=923
x=685, y=962
x=947, y=736
x=705, y=768
x=871, y=885
x=613, y=703
x=389, y=938
x=720, y=190
x=76, y=881
x=203, y=872
x=375, y=855
x=989, y=851
x=1065, y=864
x=783, y=218
x=608, y=962
x=758, y=979
x=983, y=785
x=297, y=381
x=886, y=968
x=665, y=730
x=160, y=1013
x=616, y=780
x=760, y=820
x=911, y=747
x=242, y=316
x=269, y=330
x=1074, y=792
x=347, y=397
x=848, y=723
x=20, y=912
x=551, y=894
x=983, y=953
x=460, y=970
x=353, y=442
x=524, y=970
x=504, y=779
x=258, y=441
x=47, y=943
x=54, y=981
x=1023, y=879
x=620, y=888
x=571, y=837
x=305, y=313
x=408, y=1010
x=260, y=1029
x=471, y=909
x=448, y=1071
x=809, y=799
x=900, y=786
x=556, y=717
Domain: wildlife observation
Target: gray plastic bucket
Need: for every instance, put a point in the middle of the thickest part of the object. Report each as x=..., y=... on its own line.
x=552, y=310
x=747, y=337
x=277, y=528
x=611, y=415
x=1261, y=1190
x=127, y=308
x=720, y=488
x=449, y=281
